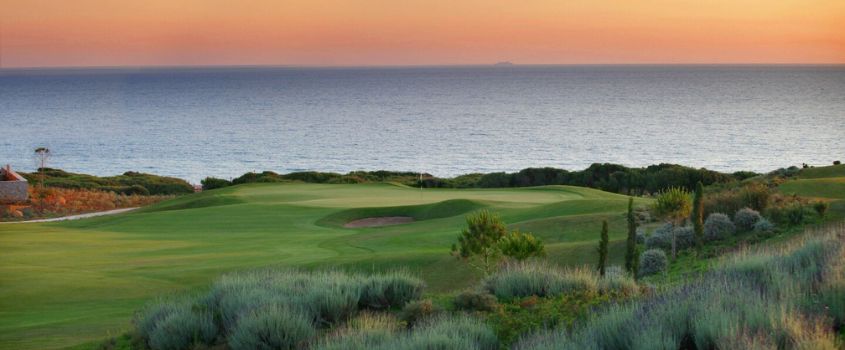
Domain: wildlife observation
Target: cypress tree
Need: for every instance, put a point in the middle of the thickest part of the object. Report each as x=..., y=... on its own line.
x=631, y=245
x=603, y=249
x=698, y=215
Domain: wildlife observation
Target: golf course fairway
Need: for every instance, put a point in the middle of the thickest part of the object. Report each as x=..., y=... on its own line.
x=77, y=282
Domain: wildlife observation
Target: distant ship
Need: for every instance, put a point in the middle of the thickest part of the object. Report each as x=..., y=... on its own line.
x=504, y=64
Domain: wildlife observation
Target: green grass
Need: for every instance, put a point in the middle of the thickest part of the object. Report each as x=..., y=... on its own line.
x=64, y=284
x=822, y=183
x=822, y=172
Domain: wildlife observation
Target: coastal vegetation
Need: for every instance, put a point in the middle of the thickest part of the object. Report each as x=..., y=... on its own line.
x=274, y=238
x=128, y=183
x=607, y=177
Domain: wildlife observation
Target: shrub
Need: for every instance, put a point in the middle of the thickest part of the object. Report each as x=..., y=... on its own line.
x=182, y=329
x=541, y=279
x=821, y=208
x=836, y=162
x=521, y=246
x=476, y=301
x=640, y=235
x=331, y=304
x=448, y=333
x=718, y=226
x=273, y=327
x=442, y=332
x=210, y=183
x=795, y=214
x=652, y=261
x=392, y=289
x=764, y=225
x=662, y=238
x=745, y=219
x=418, y=310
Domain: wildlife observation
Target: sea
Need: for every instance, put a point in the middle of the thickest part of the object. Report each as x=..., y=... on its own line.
x=194, y=122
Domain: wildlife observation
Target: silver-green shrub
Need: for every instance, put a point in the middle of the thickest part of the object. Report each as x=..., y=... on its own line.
x=745, y=219
x=183, y=329
x=522, y=279
x=764, y=225
x=653, y=261
x=661, y=238
x=392, y=289
x=718, y=226
x=270, y=328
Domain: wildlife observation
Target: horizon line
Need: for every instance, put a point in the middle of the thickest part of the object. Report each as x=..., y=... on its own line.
x=480, y=65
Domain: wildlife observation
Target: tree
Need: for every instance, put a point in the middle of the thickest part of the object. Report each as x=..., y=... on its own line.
x=603, y=249
x=521, y=246
x=485, y=241
x=480, y=240
x=674, y=206
x=42, y=155
x=698, y=215
x=631, y=244
x=635, y=270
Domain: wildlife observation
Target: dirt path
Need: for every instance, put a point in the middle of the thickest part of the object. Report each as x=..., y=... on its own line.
x=74, y=217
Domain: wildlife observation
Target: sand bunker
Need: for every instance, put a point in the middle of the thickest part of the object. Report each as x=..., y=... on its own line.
x=379, y=221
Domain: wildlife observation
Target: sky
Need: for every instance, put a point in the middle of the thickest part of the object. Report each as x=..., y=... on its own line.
x=49, y=33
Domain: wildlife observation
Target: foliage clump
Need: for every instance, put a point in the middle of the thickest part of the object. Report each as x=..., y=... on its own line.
x=745, y=219
x=273, y=327
x=524, y=279
x=764, y=226
x=718, y=226
x=272, y=309
x=473, y=300
x=653, y=261
x=485, y=241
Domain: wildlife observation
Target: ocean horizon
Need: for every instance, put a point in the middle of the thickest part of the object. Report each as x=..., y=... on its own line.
x=193, y=122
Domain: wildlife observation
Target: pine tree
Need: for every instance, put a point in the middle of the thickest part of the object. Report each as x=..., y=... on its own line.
x=631, y=245
x=603, y=249
x=698, y=215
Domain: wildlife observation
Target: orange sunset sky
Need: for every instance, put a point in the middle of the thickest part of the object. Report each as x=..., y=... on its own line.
x=36, y=33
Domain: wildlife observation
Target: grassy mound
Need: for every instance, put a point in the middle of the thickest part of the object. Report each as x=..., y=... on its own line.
x=421, y=212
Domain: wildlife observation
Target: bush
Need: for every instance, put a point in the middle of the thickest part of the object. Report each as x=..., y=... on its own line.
x=521, y=246
x=173, y=324
x=476, y=301
x=448, y=333
x=210, y=183
x=391, y=289
x=182, y=329
x=821, y=208
x=418, y=310
x=518, y=280
x=662, y=238
x=653, y=261
x=795, y=214
x=718, y=226
x=764, y=226
x=641, y=235
x=274, y=327
x=745, y=219
x=836, y=162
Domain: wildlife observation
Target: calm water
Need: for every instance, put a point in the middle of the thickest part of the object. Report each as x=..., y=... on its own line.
x=193, y=123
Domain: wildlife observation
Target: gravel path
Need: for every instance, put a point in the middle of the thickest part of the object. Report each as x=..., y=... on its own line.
x=74, y=217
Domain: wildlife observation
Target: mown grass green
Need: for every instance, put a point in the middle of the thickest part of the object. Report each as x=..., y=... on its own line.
x=74, y=282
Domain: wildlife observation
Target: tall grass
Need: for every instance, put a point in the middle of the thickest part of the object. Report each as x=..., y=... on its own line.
x=442, y=333
x=272, y=309
x=786, y=298
x=522, y=279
